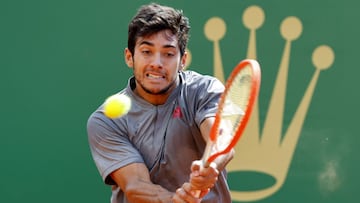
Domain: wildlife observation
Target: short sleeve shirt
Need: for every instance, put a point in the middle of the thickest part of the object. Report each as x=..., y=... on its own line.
x=166, y=138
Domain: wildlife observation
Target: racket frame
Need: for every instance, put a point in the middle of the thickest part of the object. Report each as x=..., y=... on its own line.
x=256, y=79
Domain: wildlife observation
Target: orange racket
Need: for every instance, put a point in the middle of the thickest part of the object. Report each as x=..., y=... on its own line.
x=234, y=109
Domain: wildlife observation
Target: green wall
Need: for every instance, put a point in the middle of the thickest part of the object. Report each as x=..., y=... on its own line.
x=60, y=59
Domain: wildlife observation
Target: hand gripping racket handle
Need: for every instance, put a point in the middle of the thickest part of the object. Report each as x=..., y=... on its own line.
x=234, y=109
x=204, y=162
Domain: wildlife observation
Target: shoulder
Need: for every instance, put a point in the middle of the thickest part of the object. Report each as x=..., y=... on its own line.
x=97, y=122
x=195, y=80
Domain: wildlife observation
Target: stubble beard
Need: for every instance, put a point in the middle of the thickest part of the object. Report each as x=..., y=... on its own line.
x=162, y=91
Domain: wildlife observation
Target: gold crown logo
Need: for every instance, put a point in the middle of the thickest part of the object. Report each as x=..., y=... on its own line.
x=271, y=152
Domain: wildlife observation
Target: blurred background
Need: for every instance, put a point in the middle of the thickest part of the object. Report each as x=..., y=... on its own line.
x=59, y=60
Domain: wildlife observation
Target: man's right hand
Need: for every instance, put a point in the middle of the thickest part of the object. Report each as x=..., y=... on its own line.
x=186, y=194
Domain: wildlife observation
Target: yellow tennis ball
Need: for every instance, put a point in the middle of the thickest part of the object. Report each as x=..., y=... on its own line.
x=117, y=105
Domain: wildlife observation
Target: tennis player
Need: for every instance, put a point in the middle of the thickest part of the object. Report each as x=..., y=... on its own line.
x=149, y=155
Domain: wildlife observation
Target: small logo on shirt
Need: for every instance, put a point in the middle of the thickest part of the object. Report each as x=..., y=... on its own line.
x=177, y=112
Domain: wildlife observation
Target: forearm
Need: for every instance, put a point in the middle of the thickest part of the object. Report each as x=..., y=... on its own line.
x=134, y=181
x=146, y=192
x=223, y=160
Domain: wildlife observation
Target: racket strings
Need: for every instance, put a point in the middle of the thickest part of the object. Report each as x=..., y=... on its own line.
x=235, y=104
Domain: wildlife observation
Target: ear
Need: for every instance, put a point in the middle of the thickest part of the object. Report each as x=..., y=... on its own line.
x=183, y=61
x=128, y=58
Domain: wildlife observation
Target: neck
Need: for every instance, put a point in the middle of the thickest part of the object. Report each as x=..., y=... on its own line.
x=156, y=98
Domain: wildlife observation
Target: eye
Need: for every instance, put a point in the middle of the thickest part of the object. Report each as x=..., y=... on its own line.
x=169, y=54
x=145, y=52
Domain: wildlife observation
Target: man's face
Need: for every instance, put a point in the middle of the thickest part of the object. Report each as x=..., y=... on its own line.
x=156, y=62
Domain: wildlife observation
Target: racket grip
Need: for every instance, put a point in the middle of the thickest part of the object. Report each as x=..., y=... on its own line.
x=203, y=164
x=198, y=192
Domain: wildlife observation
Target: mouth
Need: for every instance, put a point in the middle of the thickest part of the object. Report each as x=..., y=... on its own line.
x=154, y=76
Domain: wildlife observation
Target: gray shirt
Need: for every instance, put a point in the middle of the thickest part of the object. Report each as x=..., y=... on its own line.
x=165, y=137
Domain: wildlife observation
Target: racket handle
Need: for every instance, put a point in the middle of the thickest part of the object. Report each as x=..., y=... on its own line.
x=197, y=193
x=203, y=164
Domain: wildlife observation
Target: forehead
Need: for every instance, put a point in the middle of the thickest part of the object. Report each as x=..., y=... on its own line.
x=162, y=38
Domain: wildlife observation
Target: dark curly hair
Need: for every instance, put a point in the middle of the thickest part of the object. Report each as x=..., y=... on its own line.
x=153, y=18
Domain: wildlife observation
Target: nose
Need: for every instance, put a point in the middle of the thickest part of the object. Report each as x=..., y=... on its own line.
x=157, y=62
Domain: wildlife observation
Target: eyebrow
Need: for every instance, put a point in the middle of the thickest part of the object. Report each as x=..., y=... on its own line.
x=152, y=44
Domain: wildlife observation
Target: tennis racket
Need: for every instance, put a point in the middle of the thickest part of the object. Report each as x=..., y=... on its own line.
x=234, y=110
